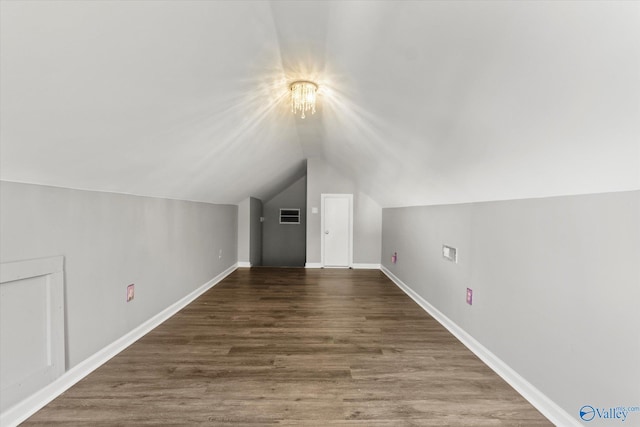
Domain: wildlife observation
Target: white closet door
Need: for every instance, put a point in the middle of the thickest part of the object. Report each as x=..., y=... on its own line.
x=337, y=225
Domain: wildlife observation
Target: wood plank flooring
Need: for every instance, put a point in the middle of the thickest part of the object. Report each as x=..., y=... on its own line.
x=295, y=347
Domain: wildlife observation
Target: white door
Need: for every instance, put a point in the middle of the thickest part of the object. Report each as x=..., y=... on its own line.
x=337, y=225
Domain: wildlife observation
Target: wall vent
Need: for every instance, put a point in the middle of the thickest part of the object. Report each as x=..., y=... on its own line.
x=450, y=253
x=289, y=216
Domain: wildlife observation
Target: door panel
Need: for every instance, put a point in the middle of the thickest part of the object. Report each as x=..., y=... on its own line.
x=337, y=230
x=31, y=327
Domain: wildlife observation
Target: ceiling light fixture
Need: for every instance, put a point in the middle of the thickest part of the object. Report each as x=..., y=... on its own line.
x=303, y=97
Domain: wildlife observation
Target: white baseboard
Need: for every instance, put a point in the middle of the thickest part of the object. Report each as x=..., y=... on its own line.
x=355, y=266
x=23, y=410
x=313, y=265
x=539, y=400
x=244, y=264
x=363, y=266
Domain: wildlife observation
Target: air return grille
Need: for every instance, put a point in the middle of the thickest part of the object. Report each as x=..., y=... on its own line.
x=289, y=216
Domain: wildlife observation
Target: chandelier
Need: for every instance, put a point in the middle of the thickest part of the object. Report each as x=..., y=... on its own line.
x=303, y=97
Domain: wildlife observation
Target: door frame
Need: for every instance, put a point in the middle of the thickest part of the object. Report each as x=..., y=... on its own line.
x=323, y=197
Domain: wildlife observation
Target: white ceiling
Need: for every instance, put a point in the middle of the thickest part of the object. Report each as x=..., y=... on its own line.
x=422, y=102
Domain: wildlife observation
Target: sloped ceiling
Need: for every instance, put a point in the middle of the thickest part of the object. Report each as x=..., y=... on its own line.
x=421, y=102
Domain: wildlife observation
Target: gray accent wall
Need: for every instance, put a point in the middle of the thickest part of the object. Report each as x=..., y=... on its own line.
x=244, y=230
x=250, y=231
x=322, y=178
x=167, y=248
x=284, y=245
x=255, y=231
x=556, y=286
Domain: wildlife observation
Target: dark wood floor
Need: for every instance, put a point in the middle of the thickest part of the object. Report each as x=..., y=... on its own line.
x=295, y=347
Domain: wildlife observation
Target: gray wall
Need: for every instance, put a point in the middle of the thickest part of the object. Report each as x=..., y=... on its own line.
x=556, y=286
x=167, y=248
x=244, y=230
x=367, y=214
x=285, y=244
x=255, y=231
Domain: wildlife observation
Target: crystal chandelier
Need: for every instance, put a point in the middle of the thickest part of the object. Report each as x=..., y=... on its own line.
x=303, y=97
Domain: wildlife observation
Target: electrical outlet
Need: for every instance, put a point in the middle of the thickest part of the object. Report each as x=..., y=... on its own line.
x=130, y=292
x=469, y=296
x=220, y=254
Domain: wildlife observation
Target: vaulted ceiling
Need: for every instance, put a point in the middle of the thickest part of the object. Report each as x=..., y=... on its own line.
x=421, y=102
